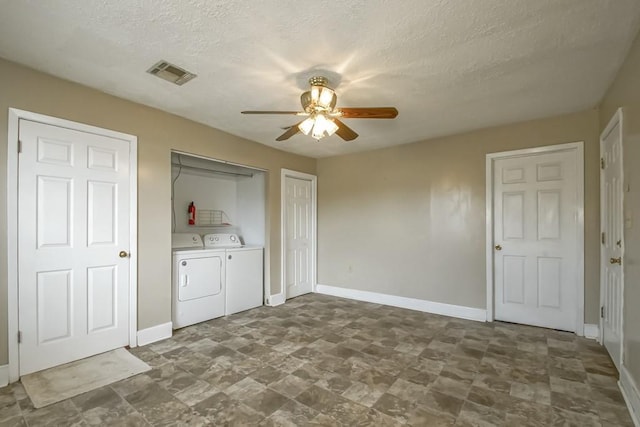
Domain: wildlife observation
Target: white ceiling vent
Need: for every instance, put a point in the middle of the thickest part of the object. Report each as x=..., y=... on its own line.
x=171, y=73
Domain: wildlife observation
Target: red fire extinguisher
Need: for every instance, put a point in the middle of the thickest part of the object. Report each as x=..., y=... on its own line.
x=192, y=214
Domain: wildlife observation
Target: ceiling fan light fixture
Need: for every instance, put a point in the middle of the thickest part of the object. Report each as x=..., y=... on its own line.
x=327, y=98
x=332, y=128
x=327, y=124
x=306, y=126
x=317, y=133
x=315, y=94
x=320, y=97
x=318, y=125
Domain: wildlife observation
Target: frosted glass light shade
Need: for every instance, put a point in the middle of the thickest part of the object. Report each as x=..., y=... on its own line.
x=306, y=126
x=331, y=127
x=318, y=125
x=326, y=97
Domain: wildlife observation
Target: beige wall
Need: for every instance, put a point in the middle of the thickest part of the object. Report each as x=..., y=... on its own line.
x=158, y=133
x=407, y=220
x=410, y=220
x=625, y=93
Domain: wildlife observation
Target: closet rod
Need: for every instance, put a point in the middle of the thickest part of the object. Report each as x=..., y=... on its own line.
x=250, y=175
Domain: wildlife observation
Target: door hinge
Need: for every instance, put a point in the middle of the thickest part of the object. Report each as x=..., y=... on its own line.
x=19, y=337
x=19, y=146
x=603, y=238
x=602, y=311
x=601, y=162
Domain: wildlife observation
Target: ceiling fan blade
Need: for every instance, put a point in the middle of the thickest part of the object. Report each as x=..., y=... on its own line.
x=296, y=113
x=369, y=113
x=289, y=133
x=344, y=131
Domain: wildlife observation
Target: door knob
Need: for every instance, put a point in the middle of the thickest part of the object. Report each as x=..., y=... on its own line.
x=123, y=254
x=616, y=260
x=498, y=248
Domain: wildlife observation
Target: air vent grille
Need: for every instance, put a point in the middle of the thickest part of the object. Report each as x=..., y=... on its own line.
x=171, y=73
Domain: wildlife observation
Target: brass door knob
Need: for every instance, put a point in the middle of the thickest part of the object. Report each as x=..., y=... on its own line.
x=498, y=248
x=616, y=261
x=123, y=254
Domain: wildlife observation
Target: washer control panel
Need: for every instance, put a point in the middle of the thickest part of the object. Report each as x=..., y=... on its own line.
x=228, y=240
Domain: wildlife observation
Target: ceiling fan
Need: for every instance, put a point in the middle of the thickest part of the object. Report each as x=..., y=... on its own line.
x=322, y=116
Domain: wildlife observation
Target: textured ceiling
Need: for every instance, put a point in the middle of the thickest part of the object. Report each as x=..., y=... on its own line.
x=448, y=66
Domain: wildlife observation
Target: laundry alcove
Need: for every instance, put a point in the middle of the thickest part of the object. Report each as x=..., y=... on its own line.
x=218, y=239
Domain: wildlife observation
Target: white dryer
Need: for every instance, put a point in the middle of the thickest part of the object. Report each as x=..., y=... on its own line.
x=198, y=281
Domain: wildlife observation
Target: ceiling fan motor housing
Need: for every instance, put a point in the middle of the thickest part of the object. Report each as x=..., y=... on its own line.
x=318, y=81
x=310, y=105
x=320, y=98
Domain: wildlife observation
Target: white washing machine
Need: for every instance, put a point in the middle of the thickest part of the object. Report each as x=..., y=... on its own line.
x=198, y=281
x=244, y=276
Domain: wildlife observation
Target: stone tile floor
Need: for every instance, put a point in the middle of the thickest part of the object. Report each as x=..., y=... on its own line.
x=320, y=360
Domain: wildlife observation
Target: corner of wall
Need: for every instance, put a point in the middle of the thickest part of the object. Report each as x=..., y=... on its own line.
x=155, y=333
x=276, y=299
x=4, y=375
x=591, y=331
x=631, y=394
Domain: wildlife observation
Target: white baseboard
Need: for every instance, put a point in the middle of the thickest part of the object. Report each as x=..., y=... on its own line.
x=591, y=331
x=631, y=394
x=4, y=375
x=459, y=311
x=276, y=299
x=155, y=333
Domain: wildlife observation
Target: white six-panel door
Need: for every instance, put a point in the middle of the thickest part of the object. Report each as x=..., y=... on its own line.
x=535, y=212
x=612, y=241
x=73, y=283
x=298, y=236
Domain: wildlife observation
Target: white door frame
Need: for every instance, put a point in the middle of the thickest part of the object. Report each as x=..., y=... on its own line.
x=617, y=118
x=578, y=148
x=282, y=295
x=15, y=115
